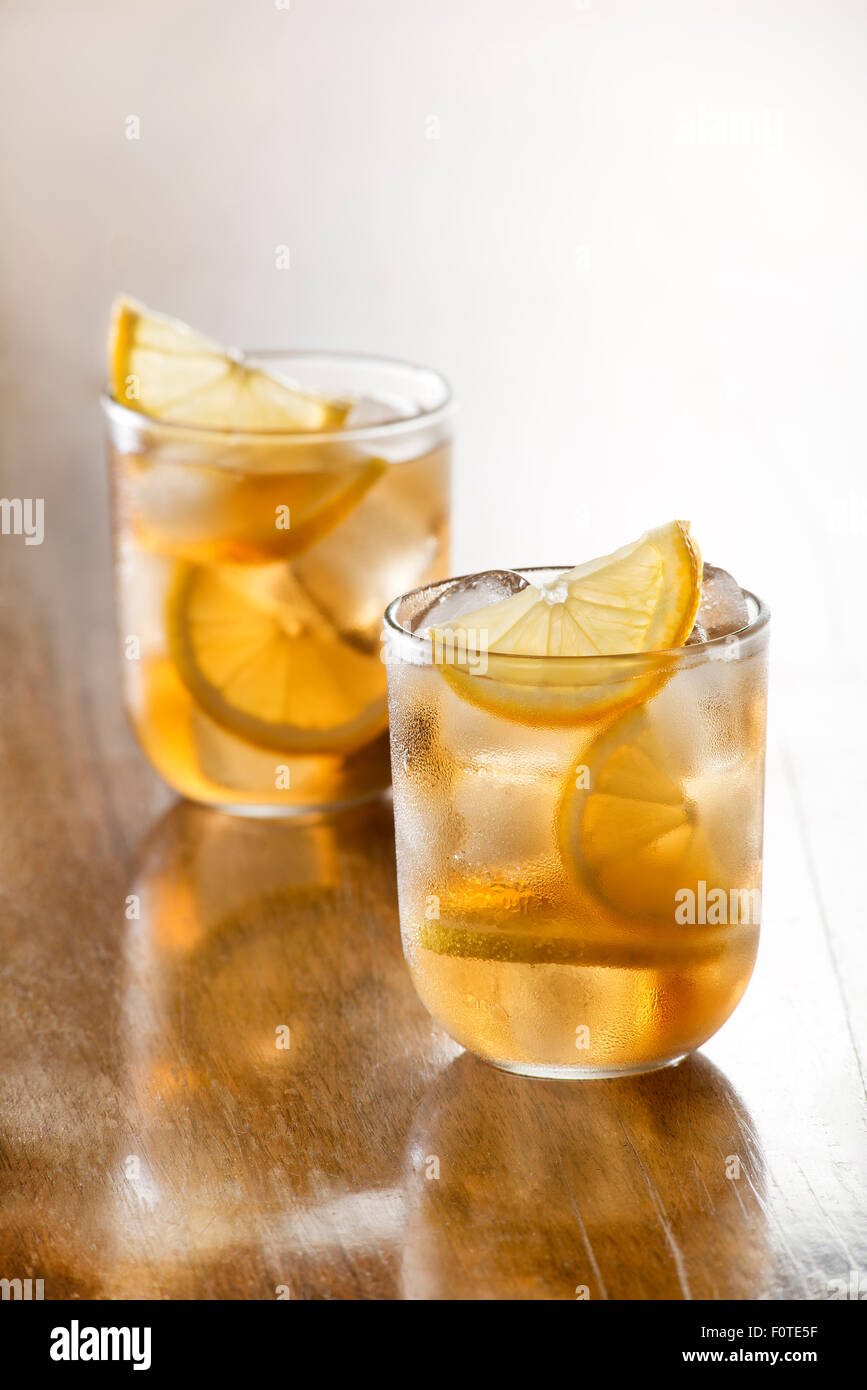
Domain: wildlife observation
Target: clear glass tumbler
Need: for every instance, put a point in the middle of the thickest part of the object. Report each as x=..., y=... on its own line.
x=252, y=571
x=579, y=839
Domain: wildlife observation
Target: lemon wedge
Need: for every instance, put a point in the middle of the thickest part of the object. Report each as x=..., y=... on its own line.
x=515, y=656
x=161, y=368
x=259, y=658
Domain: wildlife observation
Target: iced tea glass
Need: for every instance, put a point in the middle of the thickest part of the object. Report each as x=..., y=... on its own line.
x=252, y=571
x=579, y=839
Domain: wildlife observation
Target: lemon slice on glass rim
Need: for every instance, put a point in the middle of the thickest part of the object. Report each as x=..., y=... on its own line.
x=623, y=612
x=252, y=499
x=160, y=367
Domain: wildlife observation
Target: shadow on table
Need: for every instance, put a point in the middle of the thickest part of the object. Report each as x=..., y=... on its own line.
x=647, y=1187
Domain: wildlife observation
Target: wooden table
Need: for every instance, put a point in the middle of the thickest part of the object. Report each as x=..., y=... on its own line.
x=158, y=1141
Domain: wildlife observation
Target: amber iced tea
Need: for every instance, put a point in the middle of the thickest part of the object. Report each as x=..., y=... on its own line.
x=252, y=571
x=579, y=892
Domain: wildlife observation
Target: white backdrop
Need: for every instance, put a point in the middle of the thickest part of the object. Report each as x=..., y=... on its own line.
x=632, y=234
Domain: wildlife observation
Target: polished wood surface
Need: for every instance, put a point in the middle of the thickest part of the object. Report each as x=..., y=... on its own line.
x=218, y=1083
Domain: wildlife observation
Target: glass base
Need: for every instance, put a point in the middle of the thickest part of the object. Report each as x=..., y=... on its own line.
x=554, y=1072
x=263, y=811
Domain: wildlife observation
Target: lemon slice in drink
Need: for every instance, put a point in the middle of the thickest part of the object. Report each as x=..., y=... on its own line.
x=261, y=660
x=206, y=513
x=496, y=922
x=633, y=835
x=565, y=943
x=161, y=368
x=640, y=600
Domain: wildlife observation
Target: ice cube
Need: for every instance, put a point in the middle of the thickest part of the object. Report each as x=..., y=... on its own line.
x=507, y=811
x=367, y=412
x=175, y=503
x=143, y=582
x=466, y=595
x=723, y=608
x=391, y=542
x=231, y=762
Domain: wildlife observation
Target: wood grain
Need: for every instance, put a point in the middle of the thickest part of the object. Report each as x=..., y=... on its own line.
x=157, y=1142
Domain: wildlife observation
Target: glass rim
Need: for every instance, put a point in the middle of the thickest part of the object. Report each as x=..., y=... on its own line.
x=118, y=413
x=690, y=654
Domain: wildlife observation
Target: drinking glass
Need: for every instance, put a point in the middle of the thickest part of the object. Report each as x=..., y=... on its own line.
x=579, y=839
x=252, y=571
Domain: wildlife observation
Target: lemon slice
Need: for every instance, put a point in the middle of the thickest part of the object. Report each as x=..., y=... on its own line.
x=640, y=600
x=498, y=922
x=259, y=658
x=161, y=368
x=204, y=513
x=569, y=943
x=633, y=835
